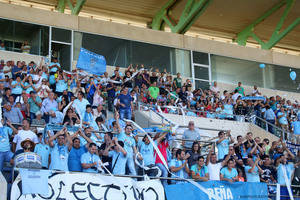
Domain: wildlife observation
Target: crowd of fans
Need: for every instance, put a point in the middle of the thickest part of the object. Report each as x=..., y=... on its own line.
x=39, y=95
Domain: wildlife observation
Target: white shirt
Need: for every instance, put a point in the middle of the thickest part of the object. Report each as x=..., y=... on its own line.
x=6, y=68
x=81, y=105
x=235, y=97
x=23, y=135
x=214, y=171
x=215, y=89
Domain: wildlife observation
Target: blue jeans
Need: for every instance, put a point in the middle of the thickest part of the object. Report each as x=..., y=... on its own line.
x=270, y=128
x=4, y=157
x=164, y=173
x=130, y=165
x=125, y=113
x=32, y=116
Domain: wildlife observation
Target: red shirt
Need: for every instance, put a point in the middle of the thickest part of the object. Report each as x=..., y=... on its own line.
x=163, y=149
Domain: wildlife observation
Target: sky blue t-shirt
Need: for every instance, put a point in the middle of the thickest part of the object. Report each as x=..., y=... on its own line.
x=228, y=109
x=229, y=174
x=33, y=107
x=18, y=89
x=253, y=176
x=5, y=132
x=181, y=173
x=129, y=143
x=43, y=150
x=81, y=105
x=296, y=126
x=223, y=148
x=289, y=172
x=147, y=152
x=74, y=161
x=118, y=162
x=52, y=79
x=283, y=119
x=89, y=158
x=59, y=157
x=88, y=117
x=29, y=89
x=61, y=85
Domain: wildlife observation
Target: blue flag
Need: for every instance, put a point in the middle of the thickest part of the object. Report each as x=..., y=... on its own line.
x=91, y=62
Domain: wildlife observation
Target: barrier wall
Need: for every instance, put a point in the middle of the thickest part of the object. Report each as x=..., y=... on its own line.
x=237, y=128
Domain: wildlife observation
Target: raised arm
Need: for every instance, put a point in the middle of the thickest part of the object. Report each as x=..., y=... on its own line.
x=52, y=138
x=209, y=154
x=161, y=137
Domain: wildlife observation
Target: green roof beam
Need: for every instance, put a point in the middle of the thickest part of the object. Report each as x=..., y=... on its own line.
x=193, y=9
x=75, y=10
x=243, y=36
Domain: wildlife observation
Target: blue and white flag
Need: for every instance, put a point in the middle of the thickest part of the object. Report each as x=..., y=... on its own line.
x=91, y=62
x=253, y=98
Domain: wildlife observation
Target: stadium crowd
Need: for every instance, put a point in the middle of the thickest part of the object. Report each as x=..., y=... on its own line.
x=41, y=95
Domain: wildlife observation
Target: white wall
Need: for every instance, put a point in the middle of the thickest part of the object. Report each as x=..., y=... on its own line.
x=237, y=128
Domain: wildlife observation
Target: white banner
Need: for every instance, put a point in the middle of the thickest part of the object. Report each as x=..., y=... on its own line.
x=79, y=186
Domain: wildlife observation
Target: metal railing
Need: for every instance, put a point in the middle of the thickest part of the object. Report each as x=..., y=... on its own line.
x=253, y=119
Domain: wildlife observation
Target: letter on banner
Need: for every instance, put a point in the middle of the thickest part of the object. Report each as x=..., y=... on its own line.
x=70, y=186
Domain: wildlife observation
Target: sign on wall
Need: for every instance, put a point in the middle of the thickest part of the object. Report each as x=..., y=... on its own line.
x=79, y=186
x=223, y=190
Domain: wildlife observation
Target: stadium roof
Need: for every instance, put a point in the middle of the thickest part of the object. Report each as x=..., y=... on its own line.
x=222, y=18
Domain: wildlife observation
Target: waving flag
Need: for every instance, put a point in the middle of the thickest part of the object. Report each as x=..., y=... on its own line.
x=91, y=62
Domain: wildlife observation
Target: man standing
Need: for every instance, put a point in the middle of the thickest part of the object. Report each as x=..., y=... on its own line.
x=130, y=148
x=240, y=89
x=80, y=103
x=126, y=105
x=118, y=154
x=296, y=126
x=90, y=159
x=177, y=83
x=35, y=104
x=253, y=170
x=213, y=166
x=43, y=150
x=190, y=134
x=47, y=105
x=74, y=161
x=5, y=153
x=60, y=150
x=268, y=174
x=179, y=165
x=223, y=144
x=23, y=134
x=153, y=92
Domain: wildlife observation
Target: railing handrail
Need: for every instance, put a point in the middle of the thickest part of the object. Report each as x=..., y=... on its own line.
x=246, y=117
